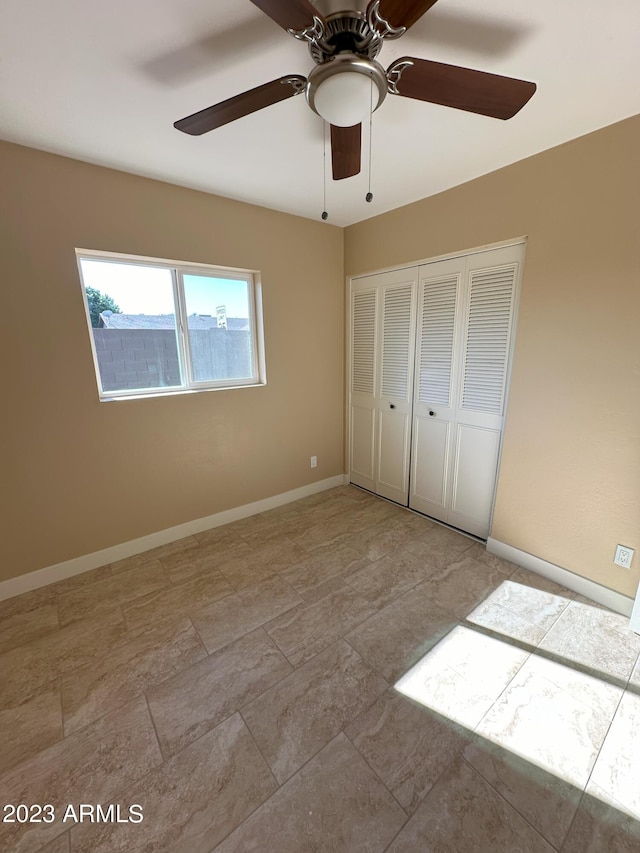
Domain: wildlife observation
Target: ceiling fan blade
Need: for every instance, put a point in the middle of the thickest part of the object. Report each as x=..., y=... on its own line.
x=241, y=105
x=297, y=15
x=402, y=13
x=345, y=151
x=460, y=88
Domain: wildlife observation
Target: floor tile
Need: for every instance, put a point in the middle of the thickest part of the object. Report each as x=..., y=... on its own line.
x=553, y=716
x=596, y=638
x=584, y=599
x=205, y=559
x=462, y=584
x=536, y=581
x=90, y=766
x=261, y=562
x=21, y=627
x=140, y=660
x=221, y=622
x=87, y=602
x=335, y=804
x=389, y=577
x=600, y=828
x=634, y=680
x=478, y=551
x=116, y=589
x=58, y=845
x=300, y=714
x=312, y=574
x=28, y=728
x=463, y=675
x=223, y=536
x=386, y=538
x=32, y=600
x=463, y=814
x=171, y=549
x=406, y=744
x=81, y=580
x=515, y=610
x=140, y=581
x=398, y=636
x=26, y=669
x=197, y=699
x=271, y=526
x=440, y=545
x=193, y=801
x=307, y=629
x=343, y=521
x=615, y=776
x=176, y=598
x=325, y=534
x=545, y=801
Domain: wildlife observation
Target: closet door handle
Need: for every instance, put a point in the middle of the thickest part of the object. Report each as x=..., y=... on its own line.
x=431, y=413
x=392, y=405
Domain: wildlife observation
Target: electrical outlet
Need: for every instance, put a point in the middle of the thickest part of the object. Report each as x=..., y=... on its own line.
x=314, y=461
x=623, y=556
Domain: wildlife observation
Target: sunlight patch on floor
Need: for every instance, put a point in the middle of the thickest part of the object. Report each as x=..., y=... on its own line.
x=580, y=727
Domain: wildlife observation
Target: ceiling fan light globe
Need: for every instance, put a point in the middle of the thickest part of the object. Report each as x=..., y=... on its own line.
x=345, y=99
x=345, y=89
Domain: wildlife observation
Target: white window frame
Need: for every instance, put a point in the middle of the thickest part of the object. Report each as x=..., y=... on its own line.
x=178, y=270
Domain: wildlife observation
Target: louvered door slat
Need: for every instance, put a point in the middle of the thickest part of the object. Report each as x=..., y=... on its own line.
x=396, y=341
x=437, y=324
x=487, y=339
x=363, y=353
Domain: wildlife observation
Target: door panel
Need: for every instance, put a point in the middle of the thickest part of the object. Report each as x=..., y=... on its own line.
x=394, y=403
x=362, y=446
x=364, y=300
x=393, y=461
x=474, y=478
x=490, y=299
x=428, y=467
x=434, y=392
x=466, y=310
x=363, y=340
x=381, y=385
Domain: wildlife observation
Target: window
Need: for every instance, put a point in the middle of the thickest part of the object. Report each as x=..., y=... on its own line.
x=159, y=327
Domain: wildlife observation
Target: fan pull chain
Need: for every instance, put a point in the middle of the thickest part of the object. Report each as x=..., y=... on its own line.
x=369, y=195
x=325, y=215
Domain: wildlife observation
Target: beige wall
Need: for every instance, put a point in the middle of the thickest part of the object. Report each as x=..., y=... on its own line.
x=569, y=483
x=79, y=475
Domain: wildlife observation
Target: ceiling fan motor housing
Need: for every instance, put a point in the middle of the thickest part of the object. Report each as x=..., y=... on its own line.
x=347, y=46
x=345, y=31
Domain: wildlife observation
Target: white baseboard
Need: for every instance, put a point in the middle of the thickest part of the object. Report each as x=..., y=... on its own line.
x=635, y=615
x=595, y=591
x=61, y=571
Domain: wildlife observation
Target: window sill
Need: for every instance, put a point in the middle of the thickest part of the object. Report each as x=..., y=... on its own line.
x=115, y=398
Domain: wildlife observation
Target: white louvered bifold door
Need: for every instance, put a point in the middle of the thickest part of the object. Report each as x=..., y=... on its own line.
x=488, y=318
x=430, y=349
x=382, y=335
x=397, y=337
x=433, y=405
x=362, y=419
x=465, y=321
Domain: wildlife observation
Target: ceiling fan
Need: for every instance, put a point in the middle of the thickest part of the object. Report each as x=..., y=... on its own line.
x=347, y=83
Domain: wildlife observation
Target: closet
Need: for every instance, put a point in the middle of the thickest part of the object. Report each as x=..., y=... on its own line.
x=430, y=349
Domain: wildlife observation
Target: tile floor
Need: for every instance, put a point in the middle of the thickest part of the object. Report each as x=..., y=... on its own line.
x=239, y=685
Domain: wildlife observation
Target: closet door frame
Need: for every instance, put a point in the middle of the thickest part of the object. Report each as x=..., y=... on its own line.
x=522, y=240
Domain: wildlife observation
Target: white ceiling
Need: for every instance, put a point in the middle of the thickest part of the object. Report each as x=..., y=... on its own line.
x=104, y=82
